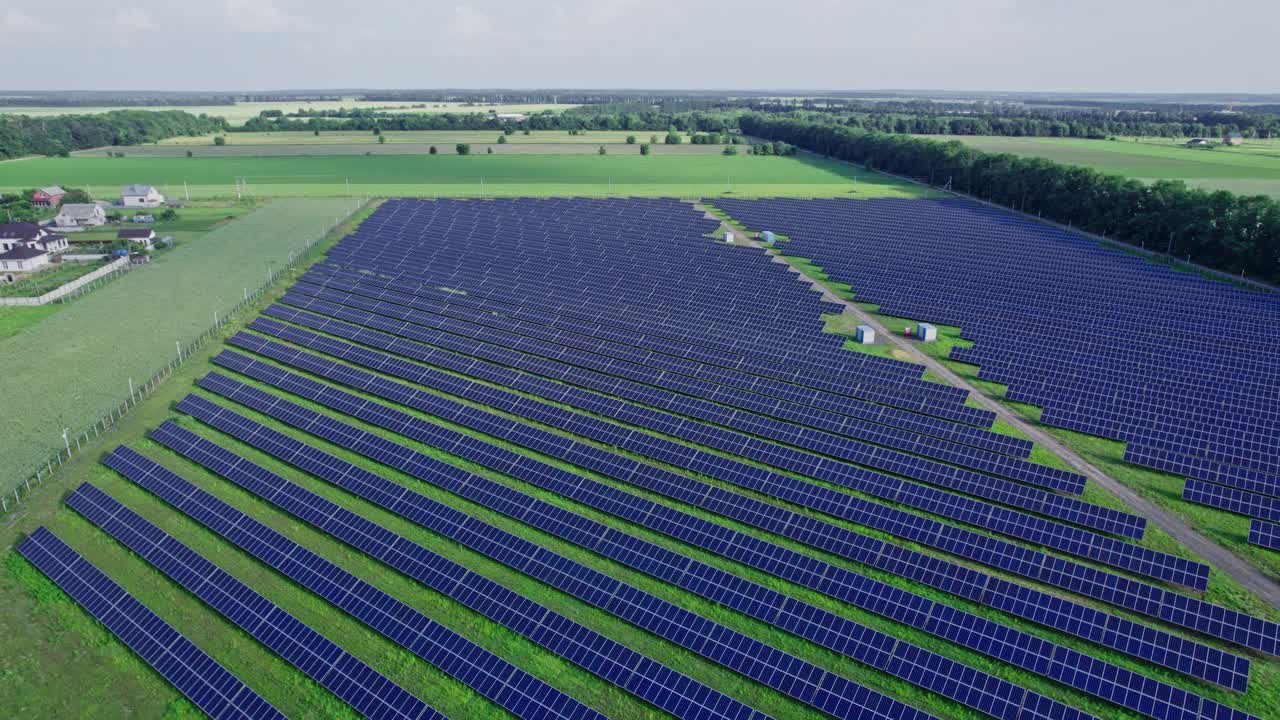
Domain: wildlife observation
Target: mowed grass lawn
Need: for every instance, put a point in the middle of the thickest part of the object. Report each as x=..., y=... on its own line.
x=489, y=175
x=1251, y=169
x=68, y=369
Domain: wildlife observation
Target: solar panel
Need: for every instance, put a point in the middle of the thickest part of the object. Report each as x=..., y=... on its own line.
x=785, y=673
x=1264, y=534
x=206, y=683
x=1113, y=683
x=357, y=684
x=489, y=675
x=1156, y=602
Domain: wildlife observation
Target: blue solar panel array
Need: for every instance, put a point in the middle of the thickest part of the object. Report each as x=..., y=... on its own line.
x=1109, y=344
x=1264, y=534
x=1102, y=679
x=208, y=685
x=1054, y=535
x=508, y=686
x=785, y=673
x=362, y=687
x=686, y=429
x=1152, y=646
x=978, y=690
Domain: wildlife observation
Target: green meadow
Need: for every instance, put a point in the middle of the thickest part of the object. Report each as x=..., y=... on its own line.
x=472, y=176
x=1249, y=169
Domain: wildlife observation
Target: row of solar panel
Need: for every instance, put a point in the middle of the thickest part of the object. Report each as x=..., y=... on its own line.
x=505, y=684
x=1007, y=556
x=1157, y=647
x=1154, y=646
x=846, y=403
x=357, y=684
x=785, y=458
x=204, y=681
x=787, y=674
x=845, y=448
x=873, y=378
x=848, y=507
x=995, y=698
x=789, y=368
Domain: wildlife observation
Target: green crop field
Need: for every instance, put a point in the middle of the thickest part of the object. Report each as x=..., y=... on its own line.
x=489, y=175
x=68, y=369
x=421, y=137
x=238, y=113
x=1251, y=169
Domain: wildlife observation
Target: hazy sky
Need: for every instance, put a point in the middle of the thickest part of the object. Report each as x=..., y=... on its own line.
x=1083, y=45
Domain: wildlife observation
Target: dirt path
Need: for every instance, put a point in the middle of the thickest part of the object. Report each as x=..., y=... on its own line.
x=1208, y=551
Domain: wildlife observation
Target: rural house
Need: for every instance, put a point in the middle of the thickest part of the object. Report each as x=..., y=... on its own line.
x=29, y=235
x=23, y=259
x=80, y=215
x=48, y=197
x=1232, y=138
x=142, y=236
x=1197, y=142
x=141, y=196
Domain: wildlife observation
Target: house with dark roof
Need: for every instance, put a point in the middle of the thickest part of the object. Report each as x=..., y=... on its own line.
x=1197, y=142
x=30, y=235
x=48, y=197
x=23, y=259
x=145, y=237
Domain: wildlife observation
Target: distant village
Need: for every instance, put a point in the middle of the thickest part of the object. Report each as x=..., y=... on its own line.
x=31, y=247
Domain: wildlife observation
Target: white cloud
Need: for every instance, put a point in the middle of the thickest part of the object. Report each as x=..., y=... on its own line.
x=128, y=20
x=17, y=21
x=260, y=16
x=470, y=22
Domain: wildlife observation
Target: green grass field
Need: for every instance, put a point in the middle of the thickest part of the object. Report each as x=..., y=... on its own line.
x=439, y=137
x=238, y=113
x=88, y=350
x=488, y=175
x=1252, y=168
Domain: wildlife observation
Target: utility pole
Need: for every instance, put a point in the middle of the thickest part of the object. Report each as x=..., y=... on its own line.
x=186, y=190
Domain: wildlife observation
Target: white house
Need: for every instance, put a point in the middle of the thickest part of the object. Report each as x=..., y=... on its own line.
x=144, y=237
x=29, y=235
x=80, y=215
x=23, y=259
x=141, y=196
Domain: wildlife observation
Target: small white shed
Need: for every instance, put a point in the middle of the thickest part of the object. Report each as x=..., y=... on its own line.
x=768, y=237
x=728, y=236
x=926, y=332
x=866, y=335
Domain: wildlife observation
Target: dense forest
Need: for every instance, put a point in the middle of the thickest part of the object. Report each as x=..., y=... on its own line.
x=1220, y=230
x=21, y=135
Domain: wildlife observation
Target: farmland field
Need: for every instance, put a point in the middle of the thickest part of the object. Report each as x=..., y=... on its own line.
x=88, y=351
x=490, y=175
x=425, y=137
x=238, y=113
x=1252, y=168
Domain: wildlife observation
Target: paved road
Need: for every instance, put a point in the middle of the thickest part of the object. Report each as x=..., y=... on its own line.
x=1219, y=557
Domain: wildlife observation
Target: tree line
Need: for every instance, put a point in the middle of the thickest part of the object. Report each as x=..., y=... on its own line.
x=585, y=118
x=1221, y=230
x=22, y=135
